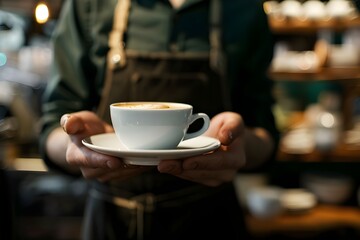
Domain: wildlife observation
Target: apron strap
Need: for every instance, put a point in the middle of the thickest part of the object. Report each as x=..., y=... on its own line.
x=116, y=37
x=117, y=56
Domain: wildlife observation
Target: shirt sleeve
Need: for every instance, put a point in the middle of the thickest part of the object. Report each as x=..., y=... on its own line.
x=251, y=87
x=69, y=88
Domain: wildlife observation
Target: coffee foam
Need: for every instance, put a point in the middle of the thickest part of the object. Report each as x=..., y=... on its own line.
x=146, y=106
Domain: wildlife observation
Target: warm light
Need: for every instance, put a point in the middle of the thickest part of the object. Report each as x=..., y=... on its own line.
x=42, y=13
x=327, y=120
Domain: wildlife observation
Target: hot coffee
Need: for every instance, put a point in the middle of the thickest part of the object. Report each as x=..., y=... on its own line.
x=154, y=125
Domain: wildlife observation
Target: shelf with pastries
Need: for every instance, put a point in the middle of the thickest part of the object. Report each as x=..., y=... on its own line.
x=340, y=153
x=301, y=145
x=309, y=26
x=349, y=74
x=326, y=62
x=308, y=17
x=304, y=141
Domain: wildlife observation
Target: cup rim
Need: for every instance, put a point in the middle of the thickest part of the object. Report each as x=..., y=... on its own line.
x=178, y=105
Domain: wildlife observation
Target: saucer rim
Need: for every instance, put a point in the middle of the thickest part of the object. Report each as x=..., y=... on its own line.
x=149, y=157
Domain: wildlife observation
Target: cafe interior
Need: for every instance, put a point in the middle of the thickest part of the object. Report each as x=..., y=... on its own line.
x=312, y=190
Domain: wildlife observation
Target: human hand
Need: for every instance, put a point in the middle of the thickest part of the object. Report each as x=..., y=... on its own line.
x=219, y=166
x=93, y=165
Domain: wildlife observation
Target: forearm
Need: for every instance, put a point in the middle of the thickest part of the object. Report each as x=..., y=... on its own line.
x=56, y=146
x=259, y=146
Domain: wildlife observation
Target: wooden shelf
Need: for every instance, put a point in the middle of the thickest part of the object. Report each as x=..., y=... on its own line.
x=321, y=218
x=343, y=158
x=349, y=74
x=306, y=26
x=342, y=153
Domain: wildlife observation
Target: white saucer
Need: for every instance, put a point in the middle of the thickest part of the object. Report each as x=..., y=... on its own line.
x=109, y=144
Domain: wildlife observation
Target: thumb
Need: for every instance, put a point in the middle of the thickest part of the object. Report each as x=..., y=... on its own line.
x=71, y=124
x=226, y=137
x=231, y=128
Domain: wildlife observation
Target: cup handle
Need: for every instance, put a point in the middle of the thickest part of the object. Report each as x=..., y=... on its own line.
x=205, y=126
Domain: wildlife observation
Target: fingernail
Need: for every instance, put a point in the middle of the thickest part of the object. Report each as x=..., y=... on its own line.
x=63, y=121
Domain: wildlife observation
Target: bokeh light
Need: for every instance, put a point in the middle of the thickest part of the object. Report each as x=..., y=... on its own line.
x=327, y=120
x=42, y=13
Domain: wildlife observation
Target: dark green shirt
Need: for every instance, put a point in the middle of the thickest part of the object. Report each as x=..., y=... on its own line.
x=81, y=44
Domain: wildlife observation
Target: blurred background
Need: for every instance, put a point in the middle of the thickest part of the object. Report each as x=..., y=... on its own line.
x=312, y=190
x=35, y=203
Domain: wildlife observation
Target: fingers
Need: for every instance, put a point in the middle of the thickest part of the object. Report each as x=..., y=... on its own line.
x=93, y=165
x=84, y=122
x=210, y=170
x=231, y=128
x=217, y=160
x=84, y=157
x=226, y=127
x=170, y=166
x=206, y=177
x=98, y=166
x=223, y=158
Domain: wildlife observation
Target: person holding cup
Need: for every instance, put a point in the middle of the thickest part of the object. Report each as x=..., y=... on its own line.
x=212, y=55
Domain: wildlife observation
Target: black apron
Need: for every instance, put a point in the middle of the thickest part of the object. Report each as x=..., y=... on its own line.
x=155, y=205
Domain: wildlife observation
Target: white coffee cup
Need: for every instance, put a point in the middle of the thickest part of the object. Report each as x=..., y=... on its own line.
x=154, y=125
